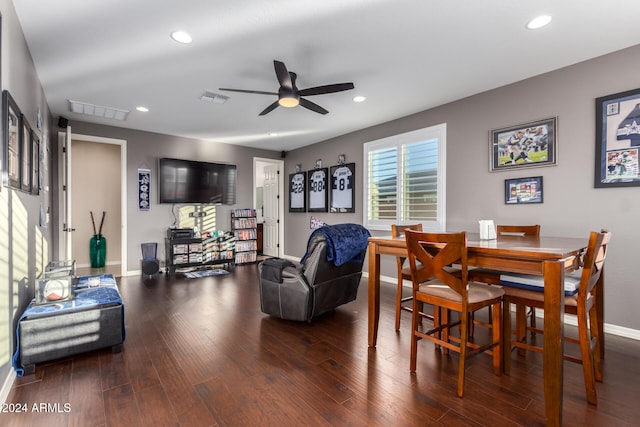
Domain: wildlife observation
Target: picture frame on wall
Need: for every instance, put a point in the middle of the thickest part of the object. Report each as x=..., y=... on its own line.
x=523, y=190
x=144, y=189
x=317, y=194
x=526, y=145
x=11, y=140
x=343, y=195
x=25, y=156
x=618, y=140
x=35, y=163
x=297, y=196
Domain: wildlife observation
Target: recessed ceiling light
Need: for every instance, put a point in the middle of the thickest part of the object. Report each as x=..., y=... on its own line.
x=272, y=134
x=142, y=109
x=538, y=22
x=359, y=98
x=181, y=37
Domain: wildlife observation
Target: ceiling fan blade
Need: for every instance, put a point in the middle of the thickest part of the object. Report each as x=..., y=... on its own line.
x=312, y=106
x=269, y=109
x=320, y=90
x=283, y=75
x=259, y=92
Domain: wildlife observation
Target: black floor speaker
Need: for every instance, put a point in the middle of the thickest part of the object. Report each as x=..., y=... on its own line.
x=150, y=267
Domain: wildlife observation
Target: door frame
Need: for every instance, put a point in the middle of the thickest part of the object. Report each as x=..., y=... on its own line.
x=123, y=189
x=280, y=164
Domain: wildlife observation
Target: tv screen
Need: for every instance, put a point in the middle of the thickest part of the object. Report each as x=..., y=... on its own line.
x=188, y=181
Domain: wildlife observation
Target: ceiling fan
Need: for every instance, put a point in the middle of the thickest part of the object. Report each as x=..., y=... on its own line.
x=290, y=96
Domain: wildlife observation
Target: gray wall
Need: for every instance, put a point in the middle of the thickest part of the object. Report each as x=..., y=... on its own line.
x=143, y=151
x=25, y=247
x=572, y=206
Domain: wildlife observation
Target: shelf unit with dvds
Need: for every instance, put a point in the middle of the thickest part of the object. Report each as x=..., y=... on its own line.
x=182, y=252
x=244, y=226
x=207, y=250
x=219, y=248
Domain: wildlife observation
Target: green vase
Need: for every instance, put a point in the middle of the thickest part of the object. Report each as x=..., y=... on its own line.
x=97, y=250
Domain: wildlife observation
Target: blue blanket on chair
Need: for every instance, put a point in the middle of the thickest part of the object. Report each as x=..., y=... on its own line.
x=345, y=242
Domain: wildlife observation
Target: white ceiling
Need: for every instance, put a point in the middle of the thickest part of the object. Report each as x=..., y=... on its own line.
x=405, y=56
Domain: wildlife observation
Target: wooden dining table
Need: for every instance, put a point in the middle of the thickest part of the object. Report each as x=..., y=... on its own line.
x=544, y=256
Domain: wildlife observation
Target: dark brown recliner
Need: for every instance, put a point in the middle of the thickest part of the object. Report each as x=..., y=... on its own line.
x=326, y=278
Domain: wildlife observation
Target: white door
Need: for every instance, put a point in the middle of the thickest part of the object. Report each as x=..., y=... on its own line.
x=270, y=196
x=64, y=193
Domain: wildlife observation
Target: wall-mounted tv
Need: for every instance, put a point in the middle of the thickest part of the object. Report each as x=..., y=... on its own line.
x=188, y=181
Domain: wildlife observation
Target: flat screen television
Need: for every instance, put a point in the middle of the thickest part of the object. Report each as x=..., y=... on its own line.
x=189, y=181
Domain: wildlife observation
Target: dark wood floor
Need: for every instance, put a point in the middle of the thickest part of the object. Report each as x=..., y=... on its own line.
x=199, y=352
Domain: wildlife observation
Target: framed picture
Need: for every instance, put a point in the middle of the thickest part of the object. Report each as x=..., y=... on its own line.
x=523, y=190
x=25, y=156
x=318, y=197
x=144, y=189
x=11, y=141
x=522, y=146
x=343, y=195
x=618, y=140
x=35, y=163
x=297, y=199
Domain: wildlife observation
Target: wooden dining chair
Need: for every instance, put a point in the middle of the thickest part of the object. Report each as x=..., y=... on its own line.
x=404, y=273
x=580, y=287
x=448, y=289
x=492, y=277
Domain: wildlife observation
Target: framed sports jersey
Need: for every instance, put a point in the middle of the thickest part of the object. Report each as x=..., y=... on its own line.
x=317, y=195
x=343, y=195
x=618, y=140
x=297, y=199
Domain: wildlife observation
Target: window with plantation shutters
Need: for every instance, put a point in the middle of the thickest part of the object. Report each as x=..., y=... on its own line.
x=405, y=179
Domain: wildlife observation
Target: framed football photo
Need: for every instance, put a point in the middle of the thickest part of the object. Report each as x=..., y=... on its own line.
x=297, y=199
x=317, y=194
x=343, y=195
x=25, y=156
x=11, y=135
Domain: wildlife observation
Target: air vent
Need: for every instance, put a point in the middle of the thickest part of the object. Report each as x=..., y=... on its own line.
x=98, y=111
x=216, y=98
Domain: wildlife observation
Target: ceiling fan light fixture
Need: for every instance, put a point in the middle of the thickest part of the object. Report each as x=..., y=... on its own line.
x=290, y=96
x=289, y=101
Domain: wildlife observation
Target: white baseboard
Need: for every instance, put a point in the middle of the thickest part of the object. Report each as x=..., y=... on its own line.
x=6, y=386
x=620, y=331
x=569, y=319
x=106, y=263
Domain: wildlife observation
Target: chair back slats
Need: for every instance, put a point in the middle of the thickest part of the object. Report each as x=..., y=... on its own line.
x=398, y=230
x=436, y=251
x=522, y=230
x=593, y=261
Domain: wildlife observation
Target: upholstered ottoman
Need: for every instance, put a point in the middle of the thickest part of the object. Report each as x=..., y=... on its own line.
x=94, y=319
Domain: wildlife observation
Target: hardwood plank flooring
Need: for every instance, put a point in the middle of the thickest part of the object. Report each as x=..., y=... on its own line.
x=199, y=352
